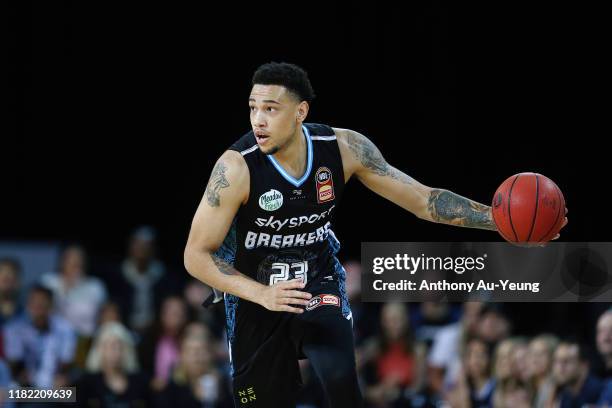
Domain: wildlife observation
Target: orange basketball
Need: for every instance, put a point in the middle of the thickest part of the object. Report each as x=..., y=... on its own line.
x=528, y=208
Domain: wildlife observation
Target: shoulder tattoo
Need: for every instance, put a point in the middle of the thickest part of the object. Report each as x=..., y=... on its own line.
x=217, y=182
x=370, y=157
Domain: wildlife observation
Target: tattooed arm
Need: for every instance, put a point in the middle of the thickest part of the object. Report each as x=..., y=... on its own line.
x=227, y=189
x=449, y=208
x=361, y=158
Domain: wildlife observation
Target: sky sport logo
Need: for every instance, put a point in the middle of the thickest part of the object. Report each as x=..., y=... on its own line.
x=271, y=201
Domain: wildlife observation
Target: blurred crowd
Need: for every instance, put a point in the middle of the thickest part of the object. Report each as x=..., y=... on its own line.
x=138, y=336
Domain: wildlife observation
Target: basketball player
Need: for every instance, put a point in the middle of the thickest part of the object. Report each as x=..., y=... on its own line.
x=263, y=236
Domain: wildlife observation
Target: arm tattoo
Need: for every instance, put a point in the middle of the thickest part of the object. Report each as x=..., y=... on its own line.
x=224, y=267
x=449, y=208
x=215, y=184
x=370, y=157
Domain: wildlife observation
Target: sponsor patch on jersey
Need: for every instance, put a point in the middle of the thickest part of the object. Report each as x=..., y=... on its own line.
x=325, y=185
x=271, y=201
x=330, y=300
x=323, y=299
x=313, y=303
x=297, y=195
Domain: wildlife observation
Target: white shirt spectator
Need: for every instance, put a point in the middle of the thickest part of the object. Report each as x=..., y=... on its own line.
x=445, y=352
x=41, y=352
x=80, y=303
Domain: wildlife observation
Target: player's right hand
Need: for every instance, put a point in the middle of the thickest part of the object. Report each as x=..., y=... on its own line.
x=281, y=296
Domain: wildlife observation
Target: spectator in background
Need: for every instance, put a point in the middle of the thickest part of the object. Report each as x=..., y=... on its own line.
x=515, y=389
x=365, y=318
x=39, y=345
x=197, y=329
x=604, y=342
x=539, y=364
x=5, y=382
x=503, y=367
x=160, y=348
x=143, y=274
x=195, y=381
x=397, y=363
x=214, y=315
x=366, y=324
x=428, y=318
x=109, y=312
x=493, y=324
x=606, y=396
x=575, y=385
x=520, y=368
x=142, y=282
x=444, y=360
x=10, y=269
x=219, y=348
x=516, y=396
x=77, y=297
x=476, y=385
x=113, y=378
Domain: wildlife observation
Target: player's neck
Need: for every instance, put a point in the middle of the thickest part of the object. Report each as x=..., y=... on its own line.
x=292, y=157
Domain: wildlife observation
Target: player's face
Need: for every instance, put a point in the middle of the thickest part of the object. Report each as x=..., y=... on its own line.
x=276, y=114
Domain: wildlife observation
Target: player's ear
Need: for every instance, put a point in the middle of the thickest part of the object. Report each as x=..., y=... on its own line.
x=302, y=111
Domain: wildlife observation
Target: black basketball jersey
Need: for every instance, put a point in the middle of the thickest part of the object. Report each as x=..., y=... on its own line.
x=284, y=231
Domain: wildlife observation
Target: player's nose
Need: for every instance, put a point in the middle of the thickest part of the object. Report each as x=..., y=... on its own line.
x=259, y=119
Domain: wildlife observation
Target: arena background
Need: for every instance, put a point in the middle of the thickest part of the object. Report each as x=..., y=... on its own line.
x=116, y=114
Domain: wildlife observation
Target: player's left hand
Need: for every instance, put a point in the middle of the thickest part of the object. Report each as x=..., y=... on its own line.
x=543, y=244
x=564, y=224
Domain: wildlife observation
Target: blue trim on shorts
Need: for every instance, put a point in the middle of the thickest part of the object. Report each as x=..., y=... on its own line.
x=340, y=273
x=227, y=252
x=231, y=303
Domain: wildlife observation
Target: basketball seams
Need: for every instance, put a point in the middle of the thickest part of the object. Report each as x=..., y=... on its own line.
x=557, y=217
x=535, y=212
x=509, y=206
x=504, y=235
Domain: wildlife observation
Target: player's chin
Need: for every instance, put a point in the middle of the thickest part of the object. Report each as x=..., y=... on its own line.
x=269, y=150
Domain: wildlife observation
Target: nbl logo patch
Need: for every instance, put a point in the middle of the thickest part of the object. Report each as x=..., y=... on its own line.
x=325, y=185
x=314, y=303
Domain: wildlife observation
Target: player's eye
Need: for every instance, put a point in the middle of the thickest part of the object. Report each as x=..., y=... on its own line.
x=251, y=108
x=270, y=109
